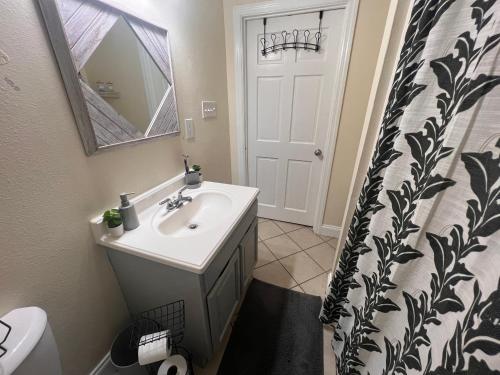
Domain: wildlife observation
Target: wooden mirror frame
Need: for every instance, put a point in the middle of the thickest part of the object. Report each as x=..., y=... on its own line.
x=75, y=29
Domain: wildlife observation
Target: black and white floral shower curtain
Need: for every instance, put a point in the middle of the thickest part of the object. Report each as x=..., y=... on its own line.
x=416, y=290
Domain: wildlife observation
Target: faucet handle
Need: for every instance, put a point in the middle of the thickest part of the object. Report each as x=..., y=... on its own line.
x=168, y=200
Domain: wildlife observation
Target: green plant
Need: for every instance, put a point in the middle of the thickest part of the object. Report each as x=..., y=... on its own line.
x=196, y=168
x=112, y=218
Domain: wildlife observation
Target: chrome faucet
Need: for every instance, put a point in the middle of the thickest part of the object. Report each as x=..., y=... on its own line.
x=178, y=202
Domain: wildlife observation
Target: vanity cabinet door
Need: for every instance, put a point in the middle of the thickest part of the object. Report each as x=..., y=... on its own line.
x=223, y=299
x=248, y=250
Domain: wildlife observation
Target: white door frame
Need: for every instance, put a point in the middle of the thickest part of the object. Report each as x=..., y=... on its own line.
x=244, y=13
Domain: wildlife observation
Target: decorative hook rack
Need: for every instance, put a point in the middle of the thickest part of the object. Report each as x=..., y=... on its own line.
x=295, y=44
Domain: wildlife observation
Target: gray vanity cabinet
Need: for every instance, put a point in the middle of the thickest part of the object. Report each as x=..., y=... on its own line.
x=211, y=298
x=223, y=299
x=248, y=255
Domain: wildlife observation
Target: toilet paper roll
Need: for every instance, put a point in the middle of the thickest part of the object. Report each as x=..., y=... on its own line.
x=174, y=365
x=154, y=347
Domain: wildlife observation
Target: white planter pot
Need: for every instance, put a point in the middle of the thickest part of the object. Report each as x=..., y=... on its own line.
x=116, y=231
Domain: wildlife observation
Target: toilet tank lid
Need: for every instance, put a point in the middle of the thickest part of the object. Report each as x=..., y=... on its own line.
x=28, y=325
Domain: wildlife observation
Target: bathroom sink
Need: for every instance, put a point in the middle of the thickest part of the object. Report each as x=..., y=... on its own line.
x=203, y=213
x=188, y=237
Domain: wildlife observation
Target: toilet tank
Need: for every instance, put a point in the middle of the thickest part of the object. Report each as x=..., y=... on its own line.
x=30, y=345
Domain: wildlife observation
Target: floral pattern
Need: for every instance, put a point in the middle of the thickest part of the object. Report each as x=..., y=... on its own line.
x=429, y=209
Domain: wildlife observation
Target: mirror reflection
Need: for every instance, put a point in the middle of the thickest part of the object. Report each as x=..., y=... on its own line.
x=123, y=73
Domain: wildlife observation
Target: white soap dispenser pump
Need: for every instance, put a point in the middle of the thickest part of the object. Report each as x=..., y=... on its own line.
x=128, y=213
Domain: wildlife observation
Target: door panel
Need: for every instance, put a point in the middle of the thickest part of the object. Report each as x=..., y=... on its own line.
x=268, y=106
x=306, y=91
x=267, y=169
x=289, y=111
x=297, y=192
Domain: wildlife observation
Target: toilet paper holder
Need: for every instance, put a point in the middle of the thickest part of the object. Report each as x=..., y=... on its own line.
x=168, y=317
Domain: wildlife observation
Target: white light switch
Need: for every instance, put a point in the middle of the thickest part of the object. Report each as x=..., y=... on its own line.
x=188, y=128
x=208, y=109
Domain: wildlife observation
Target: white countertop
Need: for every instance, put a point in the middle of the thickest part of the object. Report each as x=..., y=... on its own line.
x=190, y=252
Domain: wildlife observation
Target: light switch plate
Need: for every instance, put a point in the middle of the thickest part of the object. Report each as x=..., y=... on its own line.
x=208, y=109
x=188, y=128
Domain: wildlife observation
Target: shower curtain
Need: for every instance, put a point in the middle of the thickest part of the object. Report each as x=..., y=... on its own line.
x=416, y=288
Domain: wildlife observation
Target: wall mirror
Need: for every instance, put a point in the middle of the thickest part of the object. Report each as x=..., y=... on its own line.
x=117, y=72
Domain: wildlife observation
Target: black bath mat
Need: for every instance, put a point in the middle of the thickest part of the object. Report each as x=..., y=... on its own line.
x=277, y=332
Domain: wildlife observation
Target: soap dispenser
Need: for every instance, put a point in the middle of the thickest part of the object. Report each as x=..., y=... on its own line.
x=127, y=212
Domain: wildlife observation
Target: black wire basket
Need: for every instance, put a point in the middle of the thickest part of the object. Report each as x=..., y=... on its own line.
x=169, y=317
x=165, y=321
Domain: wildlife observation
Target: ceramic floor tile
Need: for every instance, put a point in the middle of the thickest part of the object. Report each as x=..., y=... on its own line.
x=323, y=255
x=328, y=355
x=268, y=229
x=316, y=286
x=274, y=273
x=262, y=219
x=297, y=289
x=264, y=256
x=305, y=238
x=333, y=242
x=282, y=246
x=288, y=227
x=301, y=267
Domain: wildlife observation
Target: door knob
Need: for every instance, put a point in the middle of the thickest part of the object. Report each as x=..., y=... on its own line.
x=318, y=152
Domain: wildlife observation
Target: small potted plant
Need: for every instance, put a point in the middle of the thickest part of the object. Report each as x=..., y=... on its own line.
x=114, y=222
x=197, y=169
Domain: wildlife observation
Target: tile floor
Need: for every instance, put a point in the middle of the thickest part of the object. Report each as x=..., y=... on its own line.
x=291, y=256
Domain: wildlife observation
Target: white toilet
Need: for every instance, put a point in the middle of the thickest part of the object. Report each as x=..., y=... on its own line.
x=31, y=348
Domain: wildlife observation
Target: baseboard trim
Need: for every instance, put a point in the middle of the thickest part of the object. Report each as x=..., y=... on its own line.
x=329, y=230
x=104, y=367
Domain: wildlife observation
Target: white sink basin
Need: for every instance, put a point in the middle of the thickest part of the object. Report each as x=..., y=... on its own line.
x=166, y=237
x=203, y=213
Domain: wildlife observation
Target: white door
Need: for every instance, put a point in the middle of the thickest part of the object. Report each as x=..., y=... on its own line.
x=289, y=103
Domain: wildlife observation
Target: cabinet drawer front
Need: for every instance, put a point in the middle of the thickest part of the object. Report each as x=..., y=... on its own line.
x=223, y=299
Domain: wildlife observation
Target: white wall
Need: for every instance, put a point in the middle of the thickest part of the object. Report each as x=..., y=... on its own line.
x=49, y=188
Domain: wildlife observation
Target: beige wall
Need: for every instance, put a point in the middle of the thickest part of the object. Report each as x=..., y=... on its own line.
x=370, y=25
x=49, y=188
x=380, y=95
x=197, y=41
x=367, y=38
x=228, y=26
